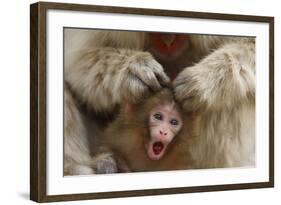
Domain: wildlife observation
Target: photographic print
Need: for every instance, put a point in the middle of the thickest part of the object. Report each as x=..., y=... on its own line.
x=147, y=101
x=134, y=102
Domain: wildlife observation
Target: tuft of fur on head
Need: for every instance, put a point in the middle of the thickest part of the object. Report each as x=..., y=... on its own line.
x=164, y=96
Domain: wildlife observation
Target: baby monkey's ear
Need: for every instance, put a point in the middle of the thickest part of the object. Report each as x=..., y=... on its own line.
x=128, y=107
x=130, y=111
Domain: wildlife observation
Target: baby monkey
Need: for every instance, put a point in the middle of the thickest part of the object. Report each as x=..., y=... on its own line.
x=145, y=136
x=164, y=122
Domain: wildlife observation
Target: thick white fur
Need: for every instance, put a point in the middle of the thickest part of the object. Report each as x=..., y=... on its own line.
x=222, y=86
x=76, y=146
x=103, y=68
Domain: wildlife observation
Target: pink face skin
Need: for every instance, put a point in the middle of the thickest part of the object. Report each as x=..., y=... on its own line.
x=164, y=122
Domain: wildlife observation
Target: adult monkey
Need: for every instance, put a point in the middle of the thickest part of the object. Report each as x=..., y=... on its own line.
x=213, y=74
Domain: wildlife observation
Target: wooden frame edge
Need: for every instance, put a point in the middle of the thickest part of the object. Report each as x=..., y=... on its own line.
x=155, y=12
x=271, y=100
x=37, y=102
x=33, y=102
x=155, y=192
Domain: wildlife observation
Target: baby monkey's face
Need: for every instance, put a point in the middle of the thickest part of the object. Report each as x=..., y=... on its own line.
x=165, y=122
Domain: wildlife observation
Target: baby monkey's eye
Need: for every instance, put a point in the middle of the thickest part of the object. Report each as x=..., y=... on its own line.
x=174, y=122
x=158, y=116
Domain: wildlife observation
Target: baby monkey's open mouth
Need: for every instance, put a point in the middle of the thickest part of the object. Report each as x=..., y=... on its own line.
x=158, y=147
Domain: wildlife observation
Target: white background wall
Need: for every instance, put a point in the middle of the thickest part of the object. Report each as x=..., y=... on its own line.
x=14, y=101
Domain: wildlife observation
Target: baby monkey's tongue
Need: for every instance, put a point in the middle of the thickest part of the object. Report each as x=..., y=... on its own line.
x=158, y=147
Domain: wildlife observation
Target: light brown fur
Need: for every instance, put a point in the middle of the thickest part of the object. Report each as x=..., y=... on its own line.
x=127, y=136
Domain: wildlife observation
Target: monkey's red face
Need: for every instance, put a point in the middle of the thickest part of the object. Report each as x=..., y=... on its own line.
x=164, y=124
x=168, y=46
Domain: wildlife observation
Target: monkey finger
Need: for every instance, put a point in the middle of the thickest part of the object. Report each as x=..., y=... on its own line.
x=163, y=78
x=146, y=75
x=136, y=89
x=188, y=98
x=153, y=83
x=154, y=65
x=182, y=93
x=149, y=78
x=182, y=81
x=159, y=72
